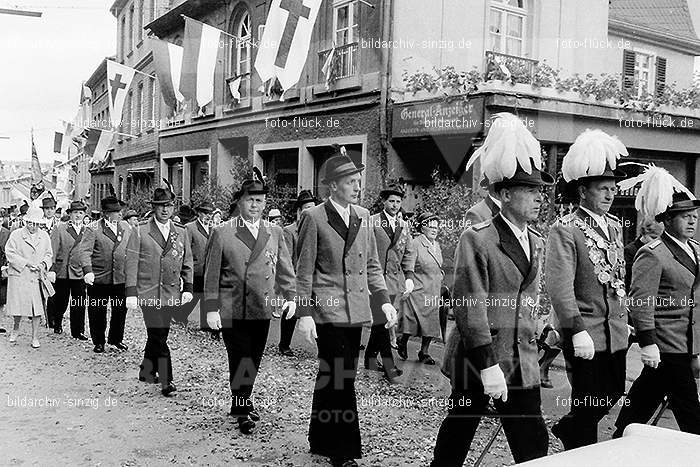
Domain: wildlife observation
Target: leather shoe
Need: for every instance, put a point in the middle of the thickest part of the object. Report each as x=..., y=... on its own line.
x=81, y=337
x=58, y=330
x=99, y=348
x=254, y=415
x=246, y=425
x=121, y=346
x=149, y=379
x=341, y=462
x=169, y=391
x=371, y=363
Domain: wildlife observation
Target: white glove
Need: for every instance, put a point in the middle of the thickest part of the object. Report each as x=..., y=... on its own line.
x=186, y=298
x=651, y=355
x=494, y=382
x=307, y=327
x=390, y=313
x=90, y=278
x=630, y=331
x=214, y=320
x=409, y=286
x=51, y=276
x=290, y=307
x=583, y=345
x=132, y=303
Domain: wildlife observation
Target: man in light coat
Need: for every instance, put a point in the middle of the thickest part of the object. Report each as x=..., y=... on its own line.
x=337, y=269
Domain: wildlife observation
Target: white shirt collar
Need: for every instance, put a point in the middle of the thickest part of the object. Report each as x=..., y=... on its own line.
x=255, y=225
x=497, y=202
x=343, y=211
x=111, y=225
x=164, y=228
x=521, y=235
x=600, y=220
x=686, y=246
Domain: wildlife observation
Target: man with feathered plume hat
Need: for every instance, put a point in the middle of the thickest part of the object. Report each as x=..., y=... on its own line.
x=492, y=353
x=584, y=273
x=665, y=277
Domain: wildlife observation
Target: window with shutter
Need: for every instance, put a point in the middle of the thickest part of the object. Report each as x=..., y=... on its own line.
x=660, y=75
x=628, y=70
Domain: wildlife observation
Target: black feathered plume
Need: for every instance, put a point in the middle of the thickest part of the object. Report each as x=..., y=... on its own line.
x=258, y=176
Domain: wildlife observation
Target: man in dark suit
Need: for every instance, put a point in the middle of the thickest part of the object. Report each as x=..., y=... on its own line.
x=158, y=260
x=67, y=273
x=102, y=257
x=484, y=209
x=247, y=260
x=585, y=273
x=198, y=231
x=665, y=277
x=492, y=352
x=393, y=238
x=649, y=231
x=337, y=269
x=305, y=200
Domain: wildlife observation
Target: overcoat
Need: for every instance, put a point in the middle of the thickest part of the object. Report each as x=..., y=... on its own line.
x=155, y=266
x=24, y=296
x=663, y=291
x=420, y=310
x=391, y=249
x=241, y=272
x=481, y=211
x=65, y=242
x=291, y=237
x=494, y=303
x=574, y=267
x=338, y=266
x=198, y=241
x=103, y=253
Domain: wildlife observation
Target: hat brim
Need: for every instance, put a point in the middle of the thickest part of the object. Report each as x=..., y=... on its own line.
x=69, y=210
x=163, y=201
x=682, y=206
x=389, y=192
x=545, y=179
x=616, y=174
x=204, y=210
x=358, y=168
x=34, y=220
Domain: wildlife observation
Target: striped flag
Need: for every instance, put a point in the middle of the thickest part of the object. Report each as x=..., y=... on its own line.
x=168, y=61
x=119, y=79
x=328, y=67
x=98, y=143
x=235, y=88
x=201, y=48
x=36, y=166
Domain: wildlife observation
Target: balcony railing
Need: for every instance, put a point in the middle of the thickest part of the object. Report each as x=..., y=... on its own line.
x=344, y=62
x=503, y=66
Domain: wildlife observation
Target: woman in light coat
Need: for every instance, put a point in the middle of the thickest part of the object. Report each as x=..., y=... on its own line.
x=420, y=309
x=29, y=255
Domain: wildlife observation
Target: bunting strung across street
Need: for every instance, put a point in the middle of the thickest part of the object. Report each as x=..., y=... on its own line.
x=285, y=43
x=201, y=48
x=119, y=79
x=167, y=58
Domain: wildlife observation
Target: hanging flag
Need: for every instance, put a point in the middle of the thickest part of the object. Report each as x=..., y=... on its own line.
x=98, y=143
x=57, y=142
x=36, y=166
x=235, y=88
x=284, y=46
x=201, y=47
x=168, y=62
x=85, y=93
x=328, y=67
x=119, y=79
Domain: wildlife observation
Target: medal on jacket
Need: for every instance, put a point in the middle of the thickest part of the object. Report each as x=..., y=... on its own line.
x=608, y=263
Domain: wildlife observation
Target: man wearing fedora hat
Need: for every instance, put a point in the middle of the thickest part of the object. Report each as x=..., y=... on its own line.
x=132, y=218
x=492, y=352
x=305, y=200
x=48, y=205
x=585, y=278
x=665, y=279
x=393, y=238
x=158, y=260
x=247, y=261
x=198, y=231
x=103, y=257
x=67, y=273
x=337, y=269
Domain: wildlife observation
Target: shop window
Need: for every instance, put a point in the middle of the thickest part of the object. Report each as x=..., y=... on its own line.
x=507, y=26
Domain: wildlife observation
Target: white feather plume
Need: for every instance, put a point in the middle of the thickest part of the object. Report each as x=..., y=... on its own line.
x=508, y=145
x=590, y=153
x=655, y=194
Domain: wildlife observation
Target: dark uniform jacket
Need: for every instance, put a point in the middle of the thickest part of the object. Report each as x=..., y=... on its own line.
x=198, y=242
x=481, y=211
x=103, y=253
x=664, y=287
x=391, y=249
x=65, y=242
x=580, y=300
x=495, y=293
x=291, y=237
x=338, y=266
x=241, y=272
x=155, y=265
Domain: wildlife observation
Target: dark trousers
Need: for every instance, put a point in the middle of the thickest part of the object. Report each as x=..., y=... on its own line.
x=245, y=343
x=596, y=386
x=673, y=378
x=521, y=416
x=99, y=295
x=286, y=331
x=379, y=342
x=72, y=290
x=186, y=310
x=156, y=354
x=334, y=430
